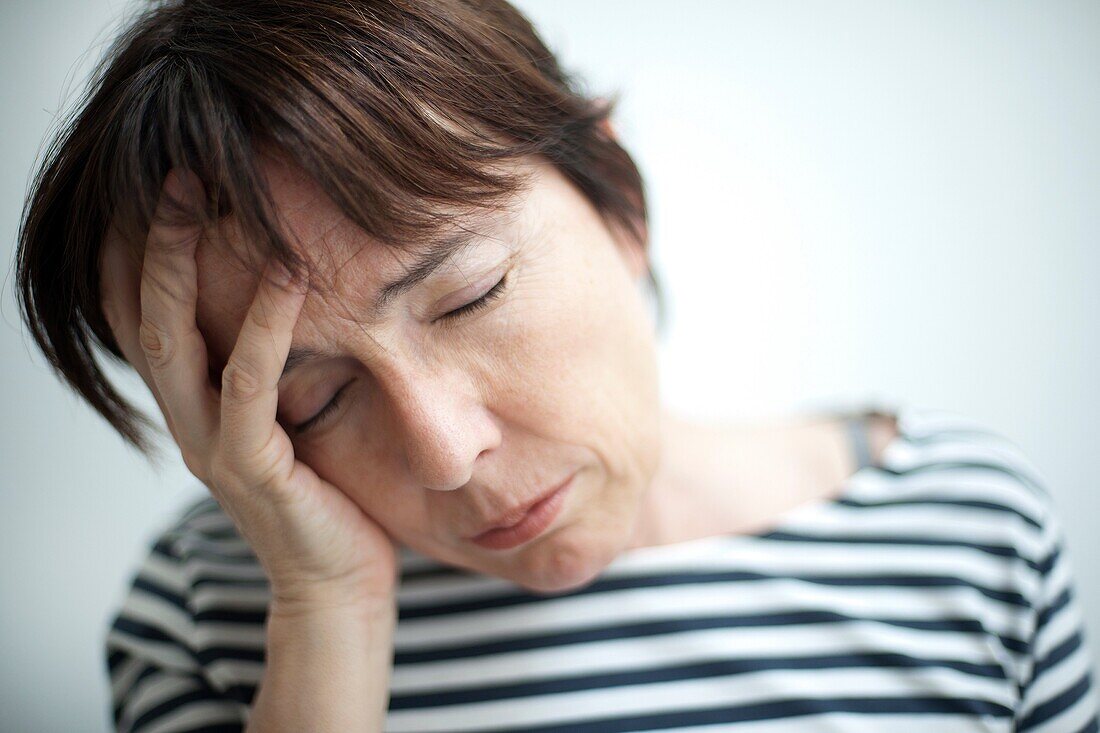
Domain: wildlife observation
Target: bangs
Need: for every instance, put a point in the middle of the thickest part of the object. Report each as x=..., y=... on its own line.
x=403, y=163
x=406, y=115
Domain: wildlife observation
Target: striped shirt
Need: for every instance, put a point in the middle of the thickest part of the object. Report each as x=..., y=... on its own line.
x=933, y=592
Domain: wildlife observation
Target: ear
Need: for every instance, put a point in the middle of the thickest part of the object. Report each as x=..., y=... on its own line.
x=632, y=251
x=609, y=128
x=119, y=286
x=605, y=124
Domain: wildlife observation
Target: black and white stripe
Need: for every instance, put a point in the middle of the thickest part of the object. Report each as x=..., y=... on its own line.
x=935, y=594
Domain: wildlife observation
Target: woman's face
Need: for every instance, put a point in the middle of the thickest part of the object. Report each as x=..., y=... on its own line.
x=443, y=425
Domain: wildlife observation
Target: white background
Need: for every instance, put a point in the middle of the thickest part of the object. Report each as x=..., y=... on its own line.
x=849, y=200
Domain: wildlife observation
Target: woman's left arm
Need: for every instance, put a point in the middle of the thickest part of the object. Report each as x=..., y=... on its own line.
x=1057, y=685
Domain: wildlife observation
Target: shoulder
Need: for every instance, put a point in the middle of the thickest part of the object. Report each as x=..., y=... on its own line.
x=203, y=531
x=969, y=465
x=196, y=604
x=974, y=492
x=201, y=550
x=954, y=497
x=943, y=475
x=984, y=470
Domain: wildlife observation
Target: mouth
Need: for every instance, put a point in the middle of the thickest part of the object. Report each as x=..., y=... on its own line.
x=527, y=521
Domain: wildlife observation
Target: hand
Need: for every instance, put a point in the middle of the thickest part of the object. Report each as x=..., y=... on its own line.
x=317, y=547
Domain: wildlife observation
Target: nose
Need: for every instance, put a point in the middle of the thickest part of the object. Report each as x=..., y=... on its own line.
x=445, y=426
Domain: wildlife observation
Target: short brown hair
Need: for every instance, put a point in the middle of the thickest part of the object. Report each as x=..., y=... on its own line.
x=352, y=90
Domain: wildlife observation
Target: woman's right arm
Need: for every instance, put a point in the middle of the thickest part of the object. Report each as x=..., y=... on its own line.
x=330, y=567
x=327, y=670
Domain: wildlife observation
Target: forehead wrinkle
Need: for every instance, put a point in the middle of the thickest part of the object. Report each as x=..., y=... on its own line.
x=427, y=260
x=299, y=355
x=345, y=270
x=437, y=253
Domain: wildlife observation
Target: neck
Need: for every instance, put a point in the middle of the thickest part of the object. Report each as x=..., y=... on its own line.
x=721, y=479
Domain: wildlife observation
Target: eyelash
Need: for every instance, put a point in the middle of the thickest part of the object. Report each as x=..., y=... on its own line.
x=492, y=294
x=325, y=411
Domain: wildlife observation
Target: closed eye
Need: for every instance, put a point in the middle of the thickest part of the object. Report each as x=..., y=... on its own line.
x=492, y=294
x=323, y=413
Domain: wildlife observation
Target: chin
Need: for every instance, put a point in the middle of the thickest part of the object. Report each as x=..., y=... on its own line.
x=562, y=565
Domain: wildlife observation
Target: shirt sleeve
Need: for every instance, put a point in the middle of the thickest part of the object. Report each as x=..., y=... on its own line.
x=1057, y=689
x=156, y=676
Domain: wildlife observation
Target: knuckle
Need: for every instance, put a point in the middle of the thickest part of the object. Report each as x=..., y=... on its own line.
x=267, y=471
x=251, y=473
x=259, y=466
x=240, y=381
x=155, y=342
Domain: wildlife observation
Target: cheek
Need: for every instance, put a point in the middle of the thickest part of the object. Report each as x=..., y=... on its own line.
x=361, y=468
x=575, y=361
x=571, y=361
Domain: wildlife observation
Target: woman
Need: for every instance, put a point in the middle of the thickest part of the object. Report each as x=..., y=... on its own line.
x=381, y=265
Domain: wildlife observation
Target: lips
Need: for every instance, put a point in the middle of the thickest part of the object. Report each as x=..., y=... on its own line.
x=515, y=515
x=535, y=522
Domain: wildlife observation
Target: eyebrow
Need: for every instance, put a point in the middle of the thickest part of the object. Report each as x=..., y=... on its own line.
x=427, y=262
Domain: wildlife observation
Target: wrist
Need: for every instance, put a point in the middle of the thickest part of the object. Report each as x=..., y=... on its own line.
x=332, y=607
x=299, y=629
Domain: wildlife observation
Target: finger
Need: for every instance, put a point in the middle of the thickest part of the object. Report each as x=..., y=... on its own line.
x=120, y=279
x=168, y=331
x=128, y=343
x=250, y=381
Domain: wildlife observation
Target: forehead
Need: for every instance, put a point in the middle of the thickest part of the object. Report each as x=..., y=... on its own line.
x=343, y=260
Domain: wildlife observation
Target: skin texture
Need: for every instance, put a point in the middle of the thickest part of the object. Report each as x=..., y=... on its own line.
x=444, y=425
